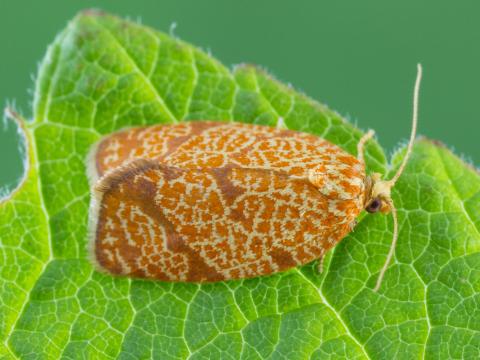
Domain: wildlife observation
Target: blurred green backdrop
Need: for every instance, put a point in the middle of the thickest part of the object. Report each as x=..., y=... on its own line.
x=356, y=56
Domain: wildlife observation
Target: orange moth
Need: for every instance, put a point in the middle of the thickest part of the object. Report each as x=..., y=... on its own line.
x=206, y=201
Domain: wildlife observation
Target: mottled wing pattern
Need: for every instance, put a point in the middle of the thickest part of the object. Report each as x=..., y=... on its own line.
x=141, y=142
x=159, y=221
x=219, y=201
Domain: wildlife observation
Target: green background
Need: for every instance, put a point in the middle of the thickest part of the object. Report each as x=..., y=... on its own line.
x=357, y=57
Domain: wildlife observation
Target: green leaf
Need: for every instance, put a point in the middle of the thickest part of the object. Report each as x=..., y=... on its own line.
x=102, y=74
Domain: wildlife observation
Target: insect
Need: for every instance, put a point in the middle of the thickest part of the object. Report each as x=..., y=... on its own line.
x=207, y=201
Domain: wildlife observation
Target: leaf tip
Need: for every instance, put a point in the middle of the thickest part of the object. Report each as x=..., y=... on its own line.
x=10, y=113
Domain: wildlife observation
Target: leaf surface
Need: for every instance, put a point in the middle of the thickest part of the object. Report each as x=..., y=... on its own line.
x=102, y=74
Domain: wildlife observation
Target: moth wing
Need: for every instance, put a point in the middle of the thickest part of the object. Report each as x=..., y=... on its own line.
x=159, y=221
x=156, y=141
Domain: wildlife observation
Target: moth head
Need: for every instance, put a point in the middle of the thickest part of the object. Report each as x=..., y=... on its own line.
x=378, y=196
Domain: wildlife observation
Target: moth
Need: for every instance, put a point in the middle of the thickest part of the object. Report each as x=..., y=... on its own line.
x=206, y=201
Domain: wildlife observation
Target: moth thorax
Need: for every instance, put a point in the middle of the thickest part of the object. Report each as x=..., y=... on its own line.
x=328, y=184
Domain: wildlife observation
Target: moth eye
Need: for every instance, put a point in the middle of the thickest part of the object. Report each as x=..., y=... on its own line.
x=374, y=206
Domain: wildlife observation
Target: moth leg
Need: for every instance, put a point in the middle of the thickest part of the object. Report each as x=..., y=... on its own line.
x=281, y=124
x=353, y=224
x=361, y=145
x=320, y=264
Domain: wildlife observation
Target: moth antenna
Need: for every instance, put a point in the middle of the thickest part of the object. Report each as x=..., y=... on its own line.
x=361, y=144
x=413, y=134
x=392, y=248
x=394, y=179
